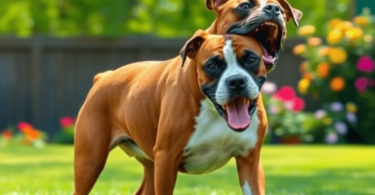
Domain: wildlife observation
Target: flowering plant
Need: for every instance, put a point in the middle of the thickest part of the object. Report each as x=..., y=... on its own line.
x=66, y=134
x=286, y=121
x=26, y=135
x=6, y=137
x=341, y=73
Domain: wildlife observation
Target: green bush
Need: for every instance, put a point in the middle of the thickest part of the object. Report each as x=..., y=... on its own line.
x=287, y=123
x=66, y=134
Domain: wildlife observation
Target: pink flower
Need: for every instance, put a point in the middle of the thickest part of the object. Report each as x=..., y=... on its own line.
x=362, y=84
x=332, y=138
x=286, y=93
x=274, y=109
x=269, y=88
x=298, y=104
x=66, y=121
x=288, y=105
x=24, y=125
x=365, y=64
x=319, y=114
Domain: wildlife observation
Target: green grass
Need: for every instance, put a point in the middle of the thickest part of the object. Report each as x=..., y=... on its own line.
x=290, y=170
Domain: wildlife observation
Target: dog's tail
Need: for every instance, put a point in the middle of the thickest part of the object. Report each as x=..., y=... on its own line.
x=100, y=75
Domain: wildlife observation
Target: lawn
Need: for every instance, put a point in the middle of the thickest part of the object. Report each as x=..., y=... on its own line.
x=290, y=170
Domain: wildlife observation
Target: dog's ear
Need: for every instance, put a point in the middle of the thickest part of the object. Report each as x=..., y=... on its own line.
x=290, y=12
x=214, y=4
x=192, y=45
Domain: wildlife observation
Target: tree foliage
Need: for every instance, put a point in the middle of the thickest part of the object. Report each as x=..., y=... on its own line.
x=163, y=18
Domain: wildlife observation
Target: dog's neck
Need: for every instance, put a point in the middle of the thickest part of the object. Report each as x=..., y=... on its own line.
x=189, y=78
x=213, y=28
x=189, y=71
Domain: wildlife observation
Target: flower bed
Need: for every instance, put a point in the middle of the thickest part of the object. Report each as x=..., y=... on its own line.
x=27, y=135
x=287, y=123
x=340, y=76
x=24, y=134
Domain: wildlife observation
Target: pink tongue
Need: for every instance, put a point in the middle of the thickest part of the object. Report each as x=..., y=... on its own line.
x=238, y=114
x=268, y=58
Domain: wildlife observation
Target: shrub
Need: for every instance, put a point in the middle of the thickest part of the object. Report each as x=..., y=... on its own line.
x=66, y=134
x=286, y=120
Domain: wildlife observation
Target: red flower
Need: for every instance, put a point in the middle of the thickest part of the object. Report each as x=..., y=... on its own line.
x=28, y=130
x=285, y=94
x=23, y=126
x=7, y=134
x=66, y=121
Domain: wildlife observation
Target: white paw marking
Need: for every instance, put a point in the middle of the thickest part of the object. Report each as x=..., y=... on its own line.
x=246, y=190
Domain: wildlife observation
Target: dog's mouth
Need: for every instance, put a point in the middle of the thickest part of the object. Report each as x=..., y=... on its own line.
x=238, y=112
x=269, y=33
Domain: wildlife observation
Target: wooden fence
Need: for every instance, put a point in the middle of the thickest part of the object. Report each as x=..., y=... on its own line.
x=43, y=78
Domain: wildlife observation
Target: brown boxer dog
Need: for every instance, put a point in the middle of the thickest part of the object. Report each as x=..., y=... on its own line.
x=115, y=112
x=191, y=114
x=265, y=20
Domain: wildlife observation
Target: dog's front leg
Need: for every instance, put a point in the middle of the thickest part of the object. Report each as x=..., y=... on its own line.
x=250, y=172
x=170, y=143
x=250, y=168
x=166, y=169
x=176, y=124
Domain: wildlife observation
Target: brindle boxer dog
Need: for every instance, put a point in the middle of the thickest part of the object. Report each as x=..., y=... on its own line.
x=191, y=119
x=265, y=20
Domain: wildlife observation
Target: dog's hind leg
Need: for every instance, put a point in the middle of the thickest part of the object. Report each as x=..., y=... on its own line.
x=147, y=186
x=132, y=150
x=92, y=139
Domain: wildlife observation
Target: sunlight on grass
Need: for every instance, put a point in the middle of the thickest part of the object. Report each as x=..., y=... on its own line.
x=290, y=170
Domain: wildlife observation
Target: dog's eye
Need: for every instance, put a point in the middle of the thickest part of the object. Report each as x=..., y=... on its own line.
x=212, y=66
x=252, y=61
x=245, y=6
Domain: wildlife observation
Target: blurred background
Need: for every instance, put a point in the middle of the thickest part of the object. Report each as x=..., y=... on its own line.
x=321, y=92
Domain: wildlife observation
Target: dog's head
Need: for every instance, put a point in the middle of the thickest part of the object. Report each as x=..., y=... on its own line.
x=230, y=72
x=265, y=20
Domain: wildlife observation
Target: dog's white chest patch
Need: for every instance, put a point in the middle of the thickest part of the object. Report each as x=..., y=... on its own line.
x=213, y=143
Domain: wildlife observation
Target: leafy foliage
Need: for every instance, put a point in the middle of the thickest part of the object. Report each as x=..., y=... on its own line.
x=164, y=18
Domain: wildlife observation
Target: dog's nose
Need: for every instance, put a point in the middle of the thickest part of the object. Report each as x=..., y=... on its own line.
x=236, y=83
x=272, y=9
